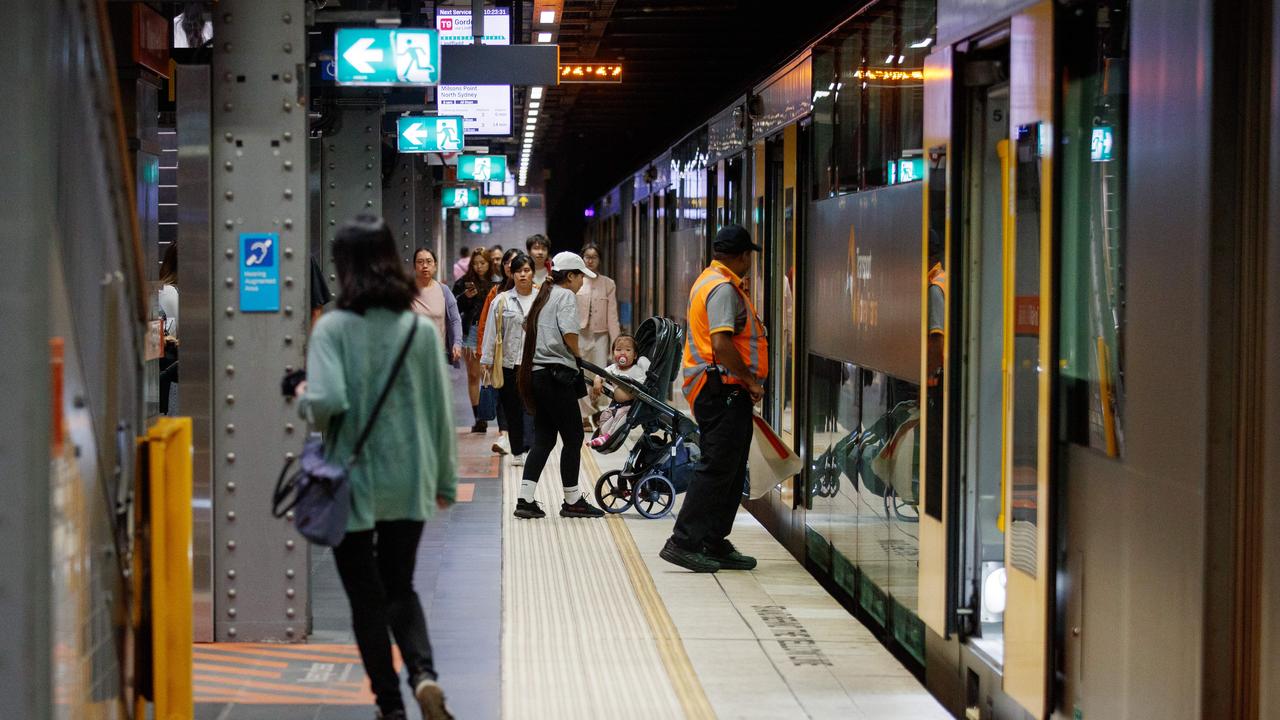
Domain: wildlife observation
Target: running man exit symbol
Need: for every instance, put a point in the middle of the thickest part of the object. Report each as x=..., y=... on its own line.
x=379, y=56
x=429, y=134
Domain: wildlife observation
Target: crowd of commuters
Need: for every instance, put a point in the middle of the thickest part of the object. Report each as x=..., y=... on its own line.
x=519, y=322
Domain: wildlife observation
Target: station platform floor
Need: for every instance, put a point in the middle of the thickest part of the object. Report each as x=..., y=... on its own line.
x=576, y=618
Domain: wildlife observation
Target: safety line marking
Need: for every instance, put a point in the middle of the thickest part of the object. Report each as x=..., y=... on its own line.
x=684, y=681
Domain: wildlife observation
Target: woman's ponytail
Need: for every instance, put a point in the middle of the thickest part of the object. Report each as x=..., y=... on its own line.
x=524, y=376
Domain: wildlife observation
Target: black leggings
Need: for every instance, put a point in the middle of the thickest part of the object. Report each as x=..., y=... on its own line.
x=376, y=567
x=519, y=424
x=557, y=412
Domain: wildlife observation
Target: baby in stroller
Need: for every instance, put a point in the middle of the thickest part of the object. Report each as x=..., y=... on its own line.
x=627, y=363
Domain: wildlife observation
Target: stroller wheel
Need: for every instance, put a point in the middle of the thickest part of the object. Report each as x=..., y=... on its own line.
x=613, y=494
x=654, y=496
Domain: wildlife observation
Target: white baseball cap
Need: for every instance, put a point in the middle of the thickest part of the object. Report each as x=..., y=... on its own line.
x=570, y=261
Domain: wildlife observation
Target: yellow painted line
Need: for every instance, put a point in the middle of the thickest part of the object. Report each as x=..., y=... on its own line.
x=684, y=681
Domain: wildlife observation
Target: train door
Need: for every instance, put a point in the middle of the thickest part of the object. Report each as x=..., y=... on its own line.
x=979, y=297
x=647, y=299
x=770, y=277
x=658, y=225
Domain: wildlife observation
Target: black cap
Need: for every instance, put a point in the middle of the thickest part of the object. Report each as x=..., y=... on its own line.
x=733, y=239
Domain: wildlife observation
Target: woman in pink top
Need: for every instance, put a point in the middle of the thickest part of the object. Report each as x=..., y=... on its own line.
x=437, y=303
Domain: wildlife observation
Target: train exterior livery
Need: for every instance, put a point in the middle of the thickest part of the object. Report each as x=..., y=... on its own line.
x=1013, y=275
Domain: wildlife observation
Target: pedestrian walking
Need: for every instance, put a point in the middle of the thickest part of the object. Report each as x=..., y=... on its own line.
x=460, y=265
x=726, y=360
x=598, y=318
x=408, y=469
x=551, y=384
x=503, y=347
x=539, y=248
x=436, y=303
x=470, y=291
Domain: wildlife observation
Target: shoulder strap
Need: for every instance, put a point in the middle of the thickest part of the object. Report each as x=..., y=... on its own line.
x=386, y=390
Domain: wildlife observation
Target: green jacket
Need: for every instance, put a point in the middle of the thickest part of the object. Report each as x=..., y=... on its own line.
x=410, y=458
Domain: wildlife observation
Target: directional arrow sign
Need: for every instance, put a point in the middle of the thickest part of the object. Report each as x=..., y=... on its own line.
x=482, y=168
x=481, y=228
x=459, y=197
x=429, y=134
x=474, y=213
x=379, y=56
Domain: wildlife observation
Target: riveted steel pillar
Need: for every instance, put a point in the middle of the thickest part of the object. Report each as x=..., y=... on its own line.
x=352, y=173
x=405, y=202
x=259, y=130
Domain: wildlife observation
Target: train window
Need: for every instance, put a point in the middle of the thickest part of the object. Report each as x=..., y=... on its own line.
x=868, y=98
x=1094, y=168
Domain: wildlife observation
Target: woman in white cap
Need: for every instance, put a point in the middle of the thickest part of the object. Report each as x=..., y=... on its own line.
x=551, y=384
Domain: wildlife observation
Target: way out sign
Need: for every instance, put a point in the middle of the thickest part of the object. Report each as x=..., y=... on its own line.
x=482, y=168
x=429, y=134
x=380, y=56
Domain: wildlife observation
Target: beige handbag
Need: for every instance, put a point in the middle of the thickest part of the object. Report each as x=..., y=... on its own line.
x=495, y=375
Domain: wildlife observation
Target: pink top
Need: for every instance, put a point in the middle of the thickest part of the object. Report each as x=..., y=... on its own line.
x=430, y=302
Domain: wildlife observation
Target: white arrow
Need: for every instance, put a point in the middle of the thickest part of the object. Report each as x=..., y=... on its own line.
x=416, y=134
x=360, y=54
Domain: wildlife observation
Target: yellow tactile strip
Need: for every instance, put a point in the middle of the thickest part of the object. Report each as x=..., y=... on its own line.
x=581, y=637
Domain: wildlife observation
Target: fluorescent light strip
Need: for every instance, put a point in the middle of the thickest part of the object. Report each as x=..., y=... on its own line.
x=544, y=37
x=546, y=17
x=535, y=93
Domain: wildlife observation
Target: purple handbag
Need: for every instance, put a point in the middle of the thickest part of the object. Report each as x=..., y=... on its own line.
x=319, y=491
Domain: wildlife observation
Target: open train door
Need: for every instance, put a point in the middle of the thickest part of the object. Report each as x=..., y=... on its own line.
x=1028, y=359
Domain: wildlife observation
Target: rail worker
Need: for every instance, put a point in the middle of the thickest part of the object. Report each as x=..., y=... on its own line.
x=726, y=360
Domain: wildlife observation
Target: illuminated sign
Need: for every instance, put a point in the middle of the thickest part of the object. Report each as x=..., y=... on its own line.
x=523, y=200
x=379, y=56
x=482, y=168
x=429, y=134
x=1101, y=144
x=485, y=109
x=459, y=197
x=905, y=170
x=888, y=75
x=479, y=228
x=584, y=73
x=473, y=213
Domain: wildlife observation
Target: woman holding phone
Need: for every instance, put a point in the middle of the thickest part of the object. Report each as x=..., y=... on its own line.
x=470, y=292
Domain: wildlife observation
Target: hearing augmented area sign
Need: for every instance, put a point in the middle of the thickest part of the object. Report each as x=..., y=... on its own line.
x=259, y=272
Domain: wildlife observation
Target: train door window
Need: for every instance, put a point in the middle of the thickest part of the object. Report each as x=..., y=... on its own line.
x=769, y=286
x=978, y=287
x=1094, y=131
x=647, y=270
x=733, y=191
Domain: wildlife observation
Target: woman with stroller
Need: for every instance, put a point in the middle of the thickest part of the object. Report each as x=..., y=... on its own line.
x=409, y=468
x=551, y=384
x=470, y=291
x=505, y=327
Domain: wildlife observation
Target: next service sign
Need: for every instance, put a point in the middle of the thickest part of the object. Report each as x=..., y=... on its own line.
x=381, y=56
x=259, y=272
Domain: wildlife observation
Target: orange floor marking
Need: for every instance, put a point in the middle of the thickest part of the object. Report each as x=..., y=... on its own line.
x=316, y=690
x=465, y=492
x=302, y=654
x=237, y=671
x=220, y=657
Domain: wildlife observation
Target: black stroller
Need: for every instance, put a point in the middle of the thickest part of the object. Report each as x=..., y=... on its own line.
x=662, y=462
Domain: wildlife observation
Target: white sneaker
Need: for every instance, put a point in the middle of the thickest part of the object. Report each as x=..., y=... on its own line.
x=518, y=460
x=502, y=447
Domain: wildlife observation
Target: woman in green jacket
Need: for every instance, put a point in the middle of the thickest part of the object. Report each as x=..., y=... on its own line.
x=408, y=466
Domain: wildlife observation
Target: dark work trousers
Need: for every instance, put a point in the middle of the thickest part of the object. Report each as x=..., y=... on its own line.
x=557, y=414
x=723, y=412
x=519, y=422
x=376, y=567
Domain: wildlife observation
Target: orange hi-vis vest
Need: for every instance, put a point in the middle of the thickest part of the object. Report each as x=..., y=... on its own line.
x=751, y=342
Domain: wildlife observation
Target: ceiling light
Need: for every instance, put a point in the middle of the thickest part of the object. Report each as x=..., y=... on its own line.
x=901, y=58
x=923, y=43
x=544, y=37
x=546, y=17
x=534, y=105
x=890, y=58
x=535, y=93
x=534, y=113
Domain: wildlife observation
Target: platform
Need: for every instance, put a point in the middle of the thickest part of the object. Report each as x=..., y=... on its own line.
x=561, y=618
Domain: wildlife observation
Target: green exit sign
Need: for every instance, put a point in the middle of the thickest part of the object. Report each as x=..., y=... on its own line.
x=482, y=168
x=460, y=197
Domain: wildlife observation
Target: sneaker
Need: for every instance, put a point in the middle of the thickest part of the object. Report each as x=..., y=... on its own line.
x=580, y=509
x=431, y=699
x=530, y=509
x=501, y=447
x=517, y=460
x=729, y=557
x=688, y=559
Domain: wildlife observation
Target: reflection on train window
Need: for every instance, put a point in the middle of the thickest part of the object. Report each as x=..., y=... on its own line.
x=868, y=98
x=863, y=490
x=1095, y=127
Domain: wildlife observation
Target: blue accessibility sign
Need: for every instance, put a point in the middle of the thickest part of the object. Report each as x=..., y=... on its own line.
x=259, y=272
x=382, y=56
x=429, y=134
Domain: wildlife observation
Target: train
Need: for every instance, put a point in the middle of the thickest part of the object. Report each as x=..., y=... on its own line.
x=992, y=249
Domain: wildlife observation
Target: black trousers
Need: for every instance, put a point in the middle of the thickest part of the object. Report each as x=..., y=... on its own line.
x=519, y=424
x=706, y=518
x=376, y=567
x=557, y=413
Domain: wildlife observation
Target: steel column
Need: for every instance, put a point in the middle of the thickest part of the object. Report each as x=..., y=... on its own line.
x=259, y=150
x=405, y=202
x=352, y=172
